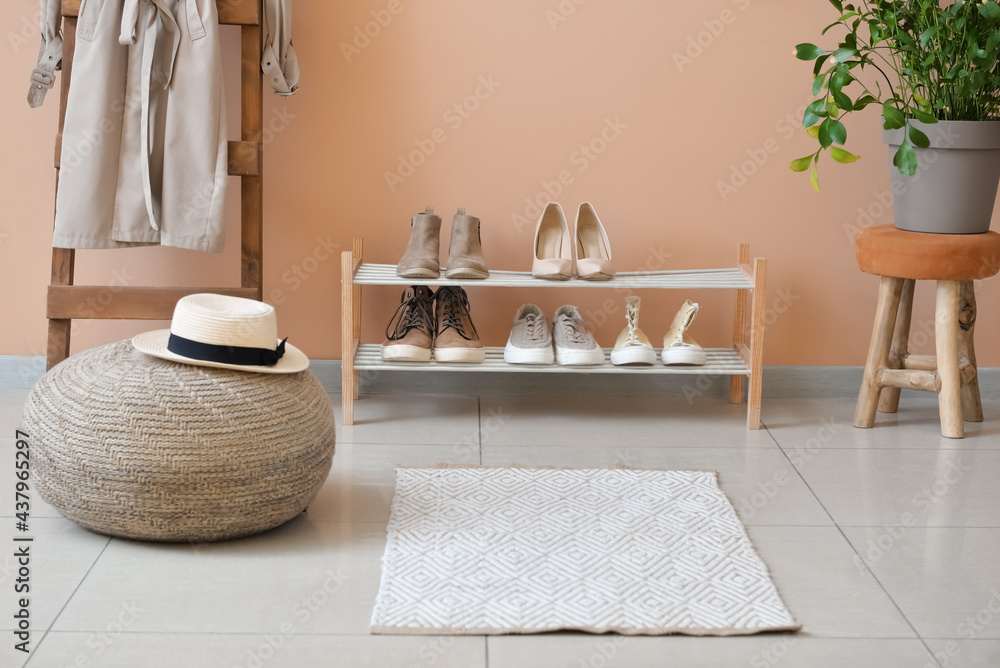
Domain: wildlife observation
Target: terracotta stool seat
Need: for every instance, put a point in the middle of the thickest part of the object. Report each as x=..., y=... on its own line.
x=901, y=258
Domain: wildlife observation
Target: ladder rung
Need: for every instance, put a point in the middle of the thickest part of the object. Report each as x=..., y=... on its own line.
x=231, y=12
x=95, y=302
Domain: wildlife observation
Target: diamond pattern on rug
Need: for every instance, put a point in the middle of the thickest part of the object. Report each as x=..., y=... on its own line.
x=482, y=550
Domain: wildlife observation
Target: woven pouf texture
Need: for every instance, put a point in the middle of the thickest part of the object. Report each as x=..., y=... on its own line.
x=134, y=446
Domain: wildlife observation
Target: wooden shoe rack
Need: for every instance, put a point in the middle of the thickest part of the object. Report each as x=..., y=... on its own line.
x=744, y=358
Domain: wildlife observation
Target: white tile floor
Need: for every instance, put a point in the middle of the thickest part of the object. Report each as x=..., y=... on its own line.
x=884, y=543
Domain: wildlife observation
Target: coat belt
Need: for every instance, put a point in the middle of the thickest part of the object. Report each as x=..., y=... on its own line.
x=160, y=35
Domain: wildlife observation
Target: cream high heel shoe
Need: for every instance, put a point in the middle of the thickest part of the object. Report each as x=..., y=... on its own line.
x=593, y=250
x=678, y=346
x=553, y=254
x=632, y=347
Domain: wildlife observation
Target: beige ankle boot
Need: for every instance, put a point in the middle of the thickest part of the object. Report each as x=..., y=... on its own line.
x=465, y=254
x=422, y=258
x=678, y=346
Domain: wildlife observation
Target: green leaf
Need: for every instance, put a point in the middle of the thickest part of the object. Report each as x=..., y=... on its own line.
x=814, y=178
x=905, y=160
x=843, y=53
x=819, y=64
x=925, y=117
x=801, y=164
x=838, y=133
x=920, y=99
x=813, y=131
x=842, y=156
x=825, y=140
x=843, y=101
x=864, y=102
x=814, y=112
x=842, y=77
x=807, y=51
x=919, y=138
x=818, y=84
x=929, y=34
x=989, y=10
x=894, y=118
x=993, y=40
x=838, y=5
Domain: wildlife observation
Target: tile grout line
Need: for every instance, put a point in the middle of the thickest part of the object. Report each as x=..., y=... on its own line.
x=479, y=423
x=857, y=555
x=68, y=599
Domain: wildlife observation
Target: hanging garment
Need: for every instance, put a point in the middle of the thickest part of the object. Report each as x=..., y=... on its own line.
x=144, y=152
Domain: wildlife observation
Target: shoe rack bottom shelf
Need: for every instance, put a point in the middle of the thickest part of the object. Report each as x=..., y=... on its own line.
x=721, y=362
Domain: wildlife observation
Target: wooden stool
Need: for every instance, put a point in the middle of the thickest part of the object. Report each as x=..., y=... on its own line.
x=901, y=258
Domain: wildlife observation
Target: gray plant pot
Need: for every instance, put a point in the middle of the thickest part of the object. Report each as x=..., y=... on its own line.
x=955, y=187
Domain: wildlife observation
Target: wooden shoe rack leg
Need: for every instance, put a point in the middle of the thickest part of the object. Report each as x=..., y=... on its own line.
x=744, y=359
x=68, y=302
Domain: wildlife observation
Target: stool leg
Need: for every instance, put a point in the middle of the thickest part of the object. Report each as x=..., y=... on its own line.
x=889, y=290
x=972, y=405
x=889, y=401
x=946, y=337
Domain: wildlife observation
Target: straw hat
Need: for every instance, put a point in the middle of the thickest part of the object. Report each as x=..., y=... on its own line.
x=224, y=332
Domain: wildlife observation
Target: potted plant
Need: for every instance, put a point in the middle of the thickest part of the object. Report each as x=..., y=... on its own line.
x=934, y=68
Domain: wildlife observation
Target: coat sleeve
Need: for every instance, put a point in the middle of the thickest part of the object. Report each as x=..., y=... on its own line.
x=280, y=64
x=49, y=54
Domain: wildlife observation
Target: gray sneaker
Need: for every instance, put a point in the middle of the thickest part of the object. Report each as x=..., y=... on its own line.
x=530, y=340
x=575, y=345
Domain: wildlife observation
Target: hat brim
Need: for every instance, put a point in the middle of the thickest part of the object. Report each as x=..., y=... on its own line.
x=155, y=344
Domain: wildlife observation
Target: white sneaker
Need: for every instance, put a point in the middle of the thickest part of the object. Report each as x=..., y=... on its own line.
x=575, y=345
x=530, y=339
x=632, y=347
x=678, y=346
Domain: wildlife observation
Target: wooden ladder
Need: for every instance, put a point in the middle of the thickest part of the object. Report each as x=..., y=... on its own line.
x=68, y=302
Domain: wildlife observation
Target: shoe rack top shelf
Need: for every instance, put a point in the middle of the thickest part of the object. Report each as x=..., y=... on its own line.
x=683, y=279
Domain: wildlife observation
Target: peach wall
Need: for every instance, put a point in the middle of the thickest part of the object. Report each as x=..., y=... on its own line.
x=563, y=74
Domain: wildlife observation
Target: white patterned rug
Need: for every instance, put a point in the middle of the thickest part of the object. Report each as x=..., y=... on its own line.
x=479, y=550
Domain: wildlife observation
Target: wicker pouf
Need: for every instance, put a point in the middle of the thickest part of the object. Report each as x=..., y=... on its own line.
x=135, y=446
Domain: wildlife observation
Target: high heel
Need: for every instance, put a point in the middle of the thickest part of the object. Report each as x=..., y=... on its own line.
x=553, y=259
x=593, y=250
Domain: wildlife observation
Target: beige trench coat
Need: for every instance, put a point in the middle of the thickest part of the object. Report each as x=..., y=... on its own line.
x=144, y=154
